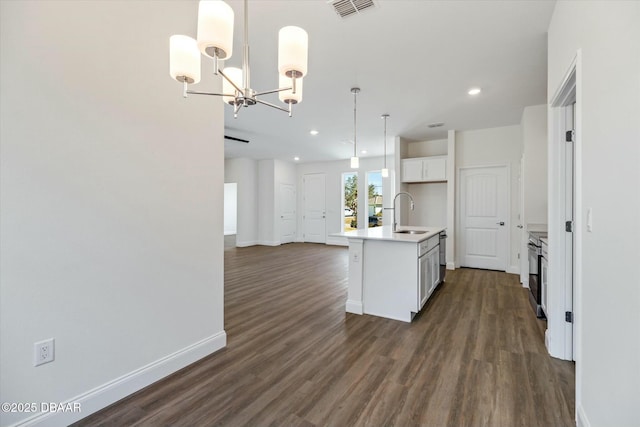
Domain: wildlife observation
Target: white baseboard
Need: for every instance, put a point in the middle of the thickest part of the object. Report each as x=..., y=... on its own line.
x=246, y=244
x=581, y=417
x=119, y=388
x=337, y=241
x=269, y=243
x=513, y=269
x=354, y=307
x=451, y=266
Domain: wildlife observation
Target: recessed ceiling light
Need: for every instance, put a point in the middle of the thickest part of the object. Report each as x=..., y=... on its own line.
x=474, y=91
x=364, y=151
x=313, y=132
x=296, y=158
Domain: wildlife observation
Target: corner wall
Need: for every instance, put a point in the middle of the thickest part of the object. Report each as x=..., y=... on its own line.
x=608, y=296
x=111, y=191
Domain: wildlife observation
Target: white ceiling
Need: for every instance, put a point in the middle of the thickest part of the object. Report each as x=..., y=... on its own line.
x=412, y=59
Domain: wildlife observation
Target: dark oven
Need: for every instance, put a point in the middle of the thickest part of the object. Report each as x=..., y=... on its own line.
x=535, y=273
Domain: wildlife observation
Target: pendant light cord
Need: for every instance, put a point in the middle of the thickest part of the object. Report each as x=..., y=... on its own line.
x=355, y=150
x=385, y=141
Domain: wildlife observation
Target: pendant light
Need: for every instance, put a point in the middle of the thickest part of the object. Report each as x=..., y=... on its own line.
x=355, y=162
x=385, y=171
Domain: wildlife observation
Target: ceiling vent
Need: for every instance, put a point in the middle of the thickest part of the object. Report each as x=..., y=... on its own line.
x=345, y=8
x=435, y=125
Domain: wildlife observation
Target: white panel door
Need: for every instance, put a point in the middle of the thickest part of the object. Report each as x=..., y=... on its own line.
x=484, y=217
x=314, y=208
x=287, y=213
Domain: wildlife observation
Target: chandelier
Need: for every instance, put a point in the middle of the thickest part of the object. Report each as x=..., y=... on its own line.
x=215, y=40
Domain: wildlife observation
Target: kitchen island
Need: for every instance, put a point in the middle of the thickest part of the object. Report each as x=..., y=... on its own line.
x=393, y=274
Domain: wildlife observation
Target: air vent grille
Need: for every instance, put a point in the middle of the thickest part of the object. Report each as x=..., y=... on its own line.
x=435, y=125
x=345, y=8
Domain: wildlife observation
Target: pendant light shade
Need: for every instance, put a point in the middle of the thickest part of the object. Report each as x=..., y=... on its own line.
x=184, y=59
x=385, y=173
x=293, y=44
x=287, y=96
x=355, y=162
x=215, y=40
x=235, y=74
x=215, y=29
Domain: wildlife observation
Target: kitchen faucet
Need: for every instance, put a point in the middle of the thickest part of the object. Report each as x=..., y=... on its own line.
x=395, y=223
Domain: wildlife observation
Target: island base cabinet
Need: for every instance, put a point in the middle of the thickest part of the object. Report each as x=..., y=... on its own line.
x=390, y=279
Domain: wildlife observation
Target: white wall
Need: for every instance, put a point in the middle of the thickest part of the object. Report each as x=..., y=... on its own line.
x=534, y=138
x=244, y=172
x=266, y=200
x=259, y=197
x=430, y=199
x=111, y=195
x=496, y=146
x=333, y=172
x=230, y=208
x=608, y=296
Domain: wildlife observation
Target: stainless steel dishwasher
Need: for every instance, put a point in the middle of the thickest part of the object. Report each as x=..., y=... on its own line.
x=443, y=254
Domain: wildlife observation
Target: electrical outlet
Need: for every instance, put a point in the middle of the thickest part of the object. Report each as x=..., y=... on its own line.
x=44, y=352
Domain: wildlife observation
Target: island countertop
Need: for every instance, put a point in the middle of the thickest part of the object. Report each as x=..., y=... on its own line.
x=386, y=233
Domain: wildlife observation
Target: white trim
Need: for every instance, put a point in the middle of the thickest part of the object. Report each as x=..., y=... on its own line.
x=354, y=307
x=337, y=241
x=514, y=269
x=246, y=244
x=269, y=243
x=581, y=417
x=451, y=265
x=119, y=388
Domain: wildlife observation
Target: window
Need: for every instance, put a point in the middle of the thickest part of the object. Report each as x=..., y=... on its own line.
x=350, y=201
x=374, y=199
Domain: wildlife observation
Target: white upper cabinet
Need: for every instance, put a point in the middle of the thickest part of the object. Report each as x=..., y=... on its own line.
x=424, y=169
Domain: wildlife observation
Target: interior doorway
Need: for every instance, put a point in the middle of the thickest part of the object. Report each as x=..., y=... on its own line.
x=314, y=217
x=484, y=217
x=230, y=213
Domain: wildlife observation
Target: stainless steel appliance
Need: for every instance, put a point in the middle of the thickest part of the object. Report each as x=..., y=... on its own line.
x=535, y=272
x=443, y=255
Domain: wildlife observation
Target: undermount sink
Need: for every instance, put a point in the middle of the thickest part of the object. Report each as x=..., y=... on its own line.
x=410, y=231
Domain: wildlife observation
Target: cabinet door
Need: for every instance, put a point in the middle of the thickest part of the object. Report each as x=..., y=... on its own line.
x=434, y=269
x=424, y=280
x=434, y=169
x=412, y=170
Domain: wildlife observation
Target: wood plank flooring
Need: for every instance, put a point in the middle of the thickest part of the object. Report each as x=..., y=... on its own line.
x=474, y=357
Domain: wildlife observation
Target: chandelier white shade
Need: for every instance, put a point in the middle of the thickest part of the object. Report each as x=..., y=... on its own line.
x=293, y=44
x=355, y=162
x=233, y=75
x=184, y=59
x=215, y=29
x=288, y=96
x=215, y=40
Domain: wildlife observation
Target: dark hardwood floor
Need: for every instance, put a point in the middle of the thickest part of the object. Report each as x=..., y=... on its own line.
x=475, y=356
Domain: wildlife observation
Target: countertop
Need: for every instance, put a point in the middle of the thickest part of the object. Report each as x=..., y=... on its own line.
x=386, y=233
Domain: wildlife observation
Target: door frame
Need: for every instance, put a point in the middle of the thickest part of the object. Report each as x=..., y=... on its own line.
x=459, y=236
x=563, y=340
